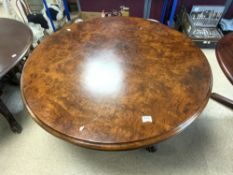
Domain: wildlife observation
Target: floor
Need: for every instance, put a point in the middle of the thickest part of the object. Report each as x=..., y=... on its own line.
x=204, y=148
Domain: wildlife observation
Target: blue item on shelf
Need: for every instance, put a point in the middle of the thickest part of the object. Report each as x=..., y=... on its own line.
x=226, y=24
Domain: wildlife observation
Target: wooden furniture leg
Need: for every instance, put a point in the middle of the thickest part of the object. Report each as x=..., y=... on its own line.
x=152, y=148
x=15, y=127
x=223, y=100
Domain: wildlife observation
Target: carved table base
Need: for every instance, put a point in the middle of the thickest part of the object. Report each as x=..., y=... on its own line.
x=15, y=127
x=152, y=148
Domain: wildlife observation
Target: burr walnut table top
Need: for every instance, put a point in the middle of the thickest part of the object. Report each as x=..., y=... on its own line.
x=116, y=83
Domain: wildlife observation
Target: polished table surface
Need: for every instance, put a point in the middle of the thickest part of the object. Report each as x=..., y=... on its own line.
x=116, y=83
x=224, y=53
x=15, y=40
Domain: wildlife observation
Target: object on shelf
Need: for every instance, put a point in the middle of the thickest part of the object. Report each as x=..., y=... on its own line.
x=124, y=10
x=201, y=25
x=206, y=16
x=57, y=16
x=226, y=25
x=20, y=11
x=109, y=14
x=55, y=13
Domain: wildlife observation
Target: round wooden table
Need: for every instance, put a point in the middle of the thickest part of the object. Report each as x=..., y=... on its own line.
x=116, y=83
x=224, y=54
x=15, y=41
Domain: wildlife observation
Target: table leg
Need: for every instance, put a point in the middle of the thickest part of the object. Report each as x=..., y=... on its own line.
x=12, y=78
x=223, y=100
x=152, y=148
x=15, y=127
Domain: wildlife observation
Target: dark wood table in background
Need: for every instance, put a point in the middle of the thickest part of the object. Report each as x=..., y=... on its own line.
x=116, y=83
x=15, y=40
x=224, y=54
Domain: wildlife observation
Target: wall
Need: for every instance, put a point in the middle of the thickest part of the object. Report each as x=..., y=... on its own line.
x=136, y=6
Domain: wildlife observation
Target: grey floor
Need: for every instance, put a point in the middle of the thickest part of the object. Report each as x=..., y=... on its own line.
x=205, y=147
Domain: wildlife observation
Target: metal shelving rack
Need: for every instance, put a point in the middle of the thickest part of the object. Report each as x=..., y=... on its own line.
x=49, y=15
x=147, y=7
x=146, y=12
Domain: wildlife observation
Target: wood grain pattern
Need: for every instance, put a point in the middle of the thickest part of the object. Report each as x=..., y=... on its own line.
x=92, y=83
x=224, y=53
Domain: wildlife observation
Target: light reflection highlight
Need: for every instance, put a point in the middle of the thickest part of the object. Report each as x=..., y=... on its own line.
x=103, y=74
